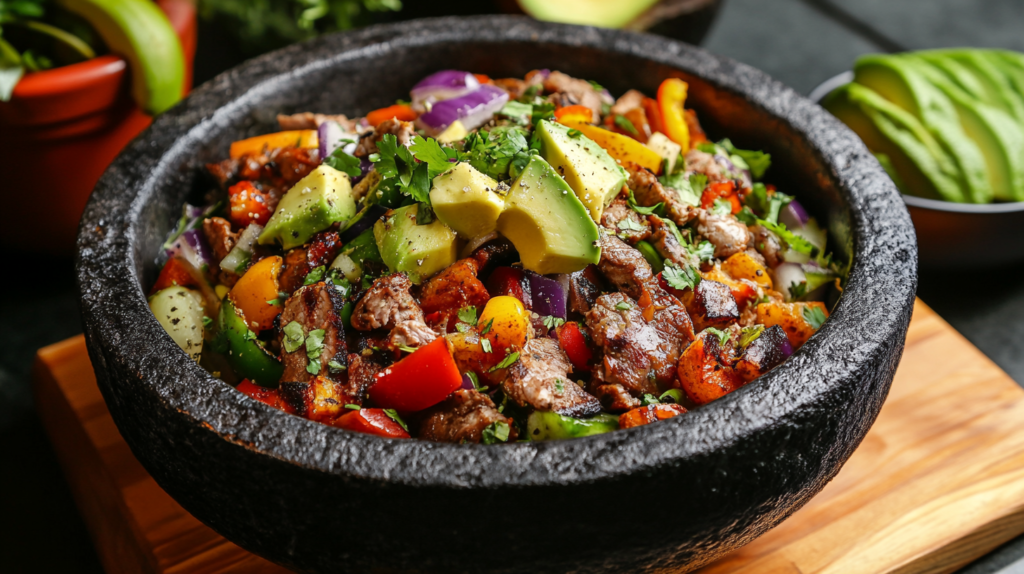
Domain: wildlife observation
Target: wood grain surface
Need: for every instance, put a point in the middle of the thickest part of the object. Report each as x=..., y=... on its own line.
x=937, y=483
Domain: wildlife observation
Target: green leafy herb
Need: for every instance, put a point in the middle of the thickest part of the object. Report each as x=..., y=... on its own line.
x=721, y=206
x=559, y=386
x=315, y=343
x=688, y=189
x=597, y=87
x=552, y=322
x=499, y=152
x=680, y=277
x=704, y=251
x=294, y=336
x=518, y=112
x=467, y=315
x=675, y=394
x=628, y=224
x=345, y=162
x=473, y=378
x=723, y=337
x=397, y=165
x=794, y=241
x=814, y=316
x=352, y=407
x=313, y=367
x=487, y=327
x=393, y=415
x=506, y=362
x=542, y=111
x=623, y=123
x=698, y=182
x=337, y=278
x=315, y=275
x=649, y=400
x=657, y=208
x=747, y=216
x=336, y=366
x=757, y=162
x=767, y=203
x=485, y=344
x=428, y=151
x=623, y=306
x=495, y=432
x=797, y=290
x=749, y=334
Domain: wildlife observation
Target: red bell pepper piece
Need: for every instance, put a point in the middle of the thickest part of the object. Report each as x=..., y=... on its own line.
x=178, y=272
x=418, y=381
x=371, y=421
x=248, y=204
x=399, y=112
x=264, y=395
x=572, y=341
x=510, y=281
x=721, y=190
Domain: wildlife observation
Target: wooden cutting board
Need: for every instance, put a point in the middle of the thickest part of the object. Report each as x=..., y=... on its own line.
x=937, y=483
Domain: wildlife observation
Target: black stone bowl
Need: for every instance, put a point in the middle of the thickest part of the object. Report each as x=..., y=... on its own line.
x=664, y=497
x=957, y=235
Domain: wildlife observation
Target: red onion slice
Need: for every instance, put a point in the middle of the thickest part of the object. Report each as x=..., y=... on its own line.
x=548, y=296
x=332, y=136
x=472, y=109
x=794, y=216
x=191, y=246
x=443, y=85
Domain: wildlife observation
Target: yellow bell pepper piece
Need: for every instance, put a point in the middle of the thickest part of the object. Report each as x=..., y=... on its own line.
x=507, y=323
x=620, y=147
x=306, y=139
x=671, y=97
x=255, y=290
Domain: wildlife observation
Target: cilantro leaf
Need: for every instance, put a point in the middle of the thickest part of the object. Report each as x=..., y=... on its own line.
x=393, y=415
x=467, y=315
x=497, y=431
x=704, y=251
x=623, y=306
x=315, y=275
x=749, y=334
x=626, y=125
x=387, y=149
x=428, y=151
x=419, y=184
x=723, y=337
x=680, y=277
x=649, y=400
x=552, y=322
x=767, y=204
x=757, y=161
x=657, y=208
x=721, y=207
x=499, y=153
x=473, y=378
x=314, y=343
x=628, y=224
x=506, y=362
x=797, y=290
x=687, y=189
x=814, y=316
x=294, y=336
x=344, y=162
x=313, y=367
x=794, y=241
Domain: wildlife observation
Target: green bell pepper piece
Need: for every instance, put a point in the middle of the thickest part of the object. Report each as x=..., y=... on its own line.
x=245, y=354
x=546, y=425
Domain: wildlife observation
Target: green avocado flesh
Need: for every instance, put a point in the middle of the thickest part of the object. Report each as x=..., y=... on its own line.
x=420, y=251
x=546, y=222
x=887, y=129
x=587, y=168
x=317, y=201
x=603, y=13
x=545, y=425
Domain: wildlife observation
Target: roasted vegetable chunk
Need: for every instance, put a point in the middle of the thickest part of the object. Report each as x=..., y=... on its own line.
x=743, y=290
x=650, y=414
x=799, y=320
x=762, y=354
x=746, y=266
x=704, y=370
x=711, y=304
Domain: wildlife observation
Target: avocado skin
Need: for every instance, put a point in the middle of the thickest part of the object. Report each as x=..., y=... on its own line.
x=317, y=201
x=886, y=128
x=900, y=81
x=592, y=174
x=547, y=223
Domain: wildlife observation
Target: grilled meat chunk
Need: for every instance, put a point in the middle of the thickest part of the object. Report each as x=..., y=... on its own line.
x=313, y=307
x=624, y=266
x=584, y=289
x=615, y=398
x=625, y=223
x=567, y=91
x=670, y=319
x=725, y=232
x=648, y=191
x=763, y=354
x=540, y=379
x=386, y=304
x=711, y=304
x=629, y=101
x=767, y=244
x=462, y=417
x=628, y=343
x=667, y=244
x=403, y=131
x=298, y=262
x=311, y=121
x=411, y=334
x=362, y=372
x=220, y=237
x=701, y=162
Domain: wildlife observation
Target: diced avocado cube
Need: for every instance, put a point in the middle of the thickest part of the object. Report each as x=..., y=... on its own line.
x=420, y=251
x=587, y=168
x=467, y=201
x=317, y=201
x=547, y=222
x=545, y=425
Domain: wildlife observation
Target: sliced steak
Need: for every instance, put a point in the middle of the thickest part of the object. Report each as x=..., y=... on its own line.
x=386, y=304
x=623, y=266
x=667, y=244
x=411, y=334
x=768, y=245
x=540, y=379
x=627, y=341
x=627, y=102
x=625, y=223
x=697, y=161
x=220, y=237
x=672, y=322
x=648, y=192
x=454, y=288
x=728, y=234
x=321, y=251
x=712, y=304
x=584, y=289
x=462, y=417
x=314, y=307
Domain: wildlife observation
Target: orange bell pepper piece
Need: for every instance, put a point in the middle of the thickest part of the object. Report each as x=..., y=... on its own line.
x=399, y=112
x=671, y=97
x=649, y=414
x=575, y=113
x=620, y=147
x=303, y=139
x=257, y=293
x=482, y=78
x=507, y=323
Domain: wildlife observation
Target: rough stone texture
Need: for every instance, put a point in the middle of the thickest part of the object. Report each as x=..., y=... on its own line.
x=321, y=499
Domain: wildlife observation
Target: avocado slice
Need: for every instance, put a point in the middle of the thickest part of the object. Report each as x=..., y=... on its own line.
x=899, y=81
x=420, y=251
x=1011, y=64
x=887, y=129
x=989, y=83
x=1000, y=138
x=467, y=201
x=317, y=201
x=587, y=12
x=547, y=223
x=587, y=168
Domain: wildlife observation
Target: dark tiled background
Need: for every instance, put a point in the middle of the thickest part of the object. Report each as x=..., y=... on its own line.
x=800, y=42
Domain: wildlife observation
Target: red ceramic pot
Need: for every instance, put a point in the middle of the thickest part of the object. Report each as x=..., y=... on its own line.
x=58, y=133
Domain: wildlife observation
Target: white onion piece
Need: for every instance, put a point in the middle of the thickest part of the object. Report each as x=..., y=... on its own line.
x=787, y=274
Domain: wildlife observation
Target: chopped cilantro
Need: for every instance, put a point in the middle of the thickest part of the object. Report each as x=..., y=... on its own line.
x=703, y=251
x=314, y=344
x=757, y=161
x=352, y=407
x=624, y=123
x=656, y=208
x=313, y=367
x=747, y=216
x=518, y=112
x=499, y=153
x=542, y=111
x=574, y=133
x=675, y=394
x=680, y=277
x=397, y=165
x=749, y=334
x=428, y=151
x=689, y=189
x=336, y=366
x=794, y=241
x=767, y=204
x=723, y=337
x=485, y=344
x=721, y=206
x=552, y=322
x=393, y=415
x=467, y=315
x=623, y=306
x=293, y=336
x=315, y=275
x=406, y=349
x=649, y=400
x=628, y=224
x=814, y=316
x=559, y=386
x=342, y=161
x=495, y=432
x=797, y=290
x=506, y=362
x=698, y=182
x=473, y=378
x=487, y=327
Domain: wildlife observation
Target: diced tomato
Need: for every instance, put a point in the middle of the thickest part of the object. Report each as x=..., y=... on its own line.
x=264, y=395
x=511, y=281
x=577, y=112
x=676, y=292
x=721, y=190
x=649, y=414
x=248, y=204
x=399, y=112
x=418, y=381
x=371, y=421
x=176, y=271
x=572, y=341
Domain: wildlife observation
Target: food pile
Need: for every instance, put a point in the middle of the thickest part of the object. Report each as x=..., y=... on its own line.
x=945, y=124
x=494, y=260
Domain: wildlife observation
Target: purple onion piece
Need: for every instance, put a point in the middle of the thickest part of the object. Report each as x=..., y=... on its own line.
x=548, y=296
x=191, y=246
x=329, y=133
x=794, y=216
x=467, y=383
x=472, y=109
x=365, y=166
x=365, y=221
x=443, y=85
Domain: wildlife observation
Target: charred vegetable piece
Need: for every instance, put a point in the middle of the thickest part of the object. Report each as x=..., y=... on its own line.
x=271, y=397
x=704, y=372
x=543, y=425
x=649, y=414
x=763, y=353
x=418, y=381
x=245, y=354
x=180, y=312
x=256, y=294
x=711, y=304
x=744, y=266
x=798, y=320
x=372, y=421
x=742, y=291
x=510, y=281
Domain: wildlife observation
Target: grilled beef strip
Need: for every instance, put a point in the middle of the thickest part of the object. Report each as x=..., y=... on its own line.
x=316, y=306
x=540, y=379
x=462, y=417
x=625, y=223
x=386, y=304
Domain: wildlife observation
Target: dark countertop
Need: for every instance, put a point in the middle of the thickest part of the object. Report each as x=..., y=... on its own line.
x=800, y=42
